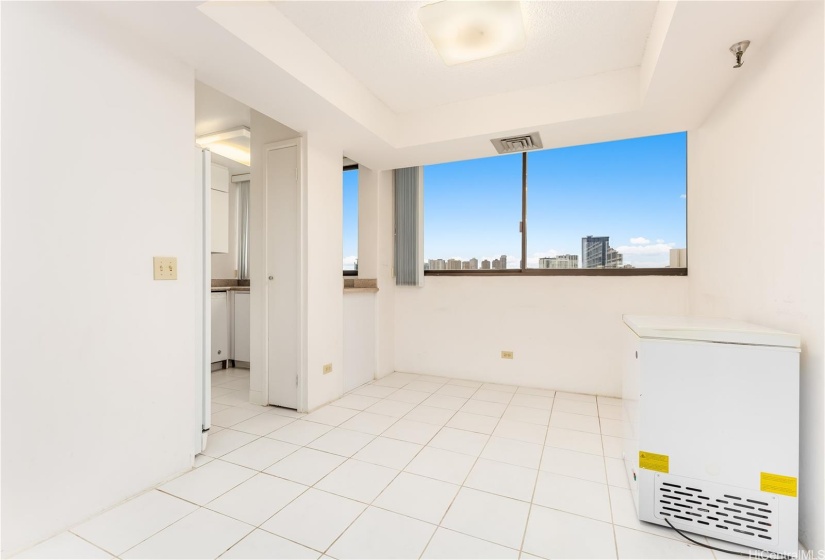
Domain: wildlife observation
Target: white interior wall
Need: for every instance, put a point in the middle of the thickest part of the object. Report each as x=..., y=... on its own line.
x=98, y=361
x=755, y=202
x=565, y=331
x=385, y=298
x=263, y=131
x=225, y=265
x=359, y=338
x=324, y=253
x=367, y=222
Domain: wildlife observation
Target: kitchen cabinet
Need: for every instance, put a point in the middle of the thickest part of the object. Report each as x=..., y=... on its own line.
x=220, y=327
x=241, y=327
x=220, y=209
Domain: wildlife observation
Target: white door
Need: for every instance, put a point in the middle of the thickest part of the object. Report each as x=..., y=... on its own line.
x=283, y=275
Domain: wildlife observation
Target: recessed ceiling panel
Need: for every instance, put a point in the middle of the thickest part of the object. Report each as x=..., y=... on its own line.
x=383, y=45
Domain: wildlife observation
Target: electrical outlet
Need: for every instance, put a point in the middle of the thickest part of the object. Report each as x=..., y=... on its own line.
x=166, y=268
x=507, y=354
x=327, y=368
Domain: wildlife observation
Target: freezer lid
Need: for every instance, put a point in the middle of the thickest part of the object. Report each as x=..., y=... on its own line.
x=708, y=330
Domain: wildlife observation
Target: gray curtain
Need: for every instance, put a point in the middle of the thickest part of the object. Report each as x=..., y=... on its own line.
x=243, y=230
x=406, y=226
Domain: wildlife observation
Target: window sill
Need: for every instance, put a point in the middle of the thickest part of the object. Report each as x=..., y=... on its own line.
x=360, y=284
x=564, y=272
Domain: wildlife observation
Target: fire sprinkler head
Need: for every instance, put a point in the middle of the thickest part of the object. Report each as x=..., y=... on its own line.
x=738, y=50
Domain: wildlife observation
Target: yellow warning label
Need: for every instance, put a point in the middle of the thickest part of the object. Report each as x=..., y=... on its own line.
x=778, y=484
x=654, y=461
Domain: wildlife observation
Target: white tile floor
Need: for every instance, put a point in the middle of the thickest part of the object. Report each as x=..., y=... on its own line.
x=405, y=467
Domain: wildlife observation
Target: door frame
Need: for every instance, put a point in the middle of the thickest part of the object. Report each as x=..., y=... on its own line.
x=202, y=267
x=259, y=278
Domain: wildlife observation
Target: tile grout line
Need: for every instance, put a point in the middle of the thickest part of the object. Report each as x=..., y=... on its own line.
x=461, y=486
x=394, y=478
x=307, y=487
x=609, y=499
x=254, y=527
x=452, y=501
x=536, y=481
x=106, y=550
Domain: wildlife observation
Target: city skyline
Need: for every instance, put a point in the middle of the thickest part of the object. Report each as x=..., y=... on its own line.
x=499, y=263
x=596, y=253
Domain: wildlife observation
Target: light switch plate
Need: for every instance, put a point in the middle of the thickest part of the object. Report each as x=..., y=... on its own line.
x=507, y=354
x=166, y=268
x=327, y=368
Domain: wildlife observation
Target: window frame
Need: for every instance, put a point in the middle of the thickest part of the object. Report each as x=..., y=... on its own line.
x=524, y=271
x=352, y=167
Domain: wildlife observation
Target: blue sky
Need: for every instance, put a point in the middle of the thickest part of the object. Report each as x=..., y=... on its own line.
x=630, y=190
x=350, y=218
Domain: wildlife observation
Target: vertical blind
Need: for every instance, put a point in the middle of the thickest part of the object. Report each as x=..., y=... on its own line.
x=406, y=226
x=243, y=230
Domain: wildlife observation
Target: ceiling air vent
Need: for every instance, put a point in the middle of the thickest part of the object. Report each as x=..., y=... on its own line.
x=515, y=144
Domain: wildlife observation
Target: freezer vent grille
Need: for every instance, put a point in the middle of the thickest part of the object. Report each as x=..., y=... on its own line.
x=733, y=514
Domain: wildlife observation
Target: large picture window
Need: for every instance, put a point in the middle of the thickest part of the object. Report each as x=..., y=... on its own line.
x=609, y=208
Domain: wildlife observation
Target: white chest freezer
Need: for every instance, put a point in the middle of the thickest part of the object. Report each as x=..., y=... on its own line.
x=711, y=427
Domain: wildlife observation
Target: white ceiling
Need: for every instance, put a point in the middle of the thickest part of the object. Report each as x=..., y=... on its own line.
x=593, y=71
x=382, y=45
x=216, y=111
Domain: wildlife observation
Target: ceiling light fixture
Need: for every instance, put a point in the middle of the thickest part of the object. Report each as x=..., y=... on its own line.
x=232, y=144
x=468, y=30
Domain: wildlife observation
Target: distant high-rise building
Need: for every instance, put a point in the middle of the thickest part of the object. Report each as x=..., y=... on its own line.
x=503, y=261
x=440, y=264
x=454, y=264
x=562, y=261
x=594, y=251
x=678, y=258
x=485, y=265
x=473, y=263
x=465, y=265
x=614, y=258
x=496, y=264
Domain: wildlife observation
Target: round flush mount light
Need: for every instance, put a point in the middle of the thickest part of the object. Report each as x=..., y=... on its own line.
x=463, y=31
x=738, y=50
